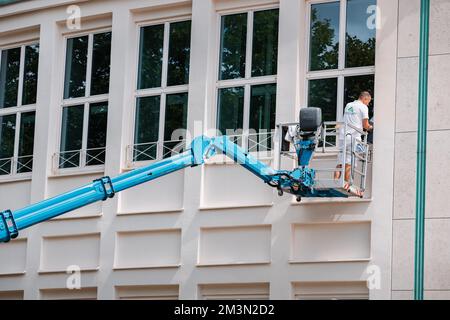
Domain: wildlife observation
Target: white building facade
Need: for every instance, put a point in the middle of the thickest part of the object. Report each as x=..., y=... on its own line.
x=95, y=88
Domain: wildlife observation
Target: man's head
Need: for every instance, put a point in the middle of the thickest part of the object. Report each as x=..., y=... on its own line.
x=365, y=97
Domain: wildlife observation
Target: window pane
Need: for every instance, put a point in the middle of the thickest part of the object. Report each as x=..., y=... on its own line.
x=323, y=94
x=146, y=128
x=71, y=136
x=30, y=74
x=9, y=77
x=150, y=56
x=76, y=63
x=360, y=36
x=101, y=56
x=262, y=116
x=233, y=45
x=179, y=50
x=231, y=109
x=324, y=40
x=7, y=132
x=176, y=119
x=355, y=85
x=265, y=43
x=26, y=141
x=96, y=140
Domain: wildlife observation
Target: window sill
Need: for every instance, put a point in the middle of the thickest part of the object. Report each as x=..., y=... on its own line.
x=329, y=261
x=77, y=171
x=65, y=271
x=16, y=177
x=318, y=201
x=244, y=206
x=131, y=213
x=13, y=274
x=231, y=264
x=164, y=266
x=222, y=159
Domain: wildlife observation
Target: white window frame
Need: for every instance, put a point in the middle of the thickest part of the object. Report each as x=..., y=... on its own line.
x=161, y=91
x=341, y=72
x=18, y=110
x=86, y=101
x=248, y=81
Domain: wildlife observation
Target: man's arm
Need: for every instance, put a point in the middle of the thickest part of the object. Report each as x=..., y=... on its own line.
x=366, y=125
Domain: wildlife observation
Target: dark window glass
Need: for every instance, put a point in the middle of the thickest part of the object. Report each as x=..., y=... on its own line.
x=30, y=74
x=231, y=109
x=179, y=50
x=265, y=43
x=150, y=56
x=101, y=56
x=323, y=94
x=26, y=142
x=324, y=40
x=9, y=77
x=71, y=136
x=355, y=85
x=176, y=119
x=360, y=36
x=76, y=63
x=96, y=139
x=146, y=128
x=233, y=46
x=7, y=133
x=262, y=116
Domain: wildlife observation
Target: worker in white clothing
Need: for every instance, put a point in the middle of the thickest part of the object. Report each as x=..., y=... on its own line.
x=356, y=114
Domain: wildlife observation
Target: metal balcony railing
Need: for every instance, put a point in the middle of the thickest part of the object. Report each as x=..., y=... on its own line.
x=79, y=158
x=16, y=165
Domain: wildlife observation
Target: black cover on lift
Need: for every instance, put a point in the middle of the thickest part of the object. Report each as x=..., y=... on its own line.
x=310, y=119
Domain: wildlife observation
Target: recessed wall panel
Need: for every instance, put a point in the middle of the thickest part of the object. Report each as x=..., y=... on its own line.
x=165, y=194
x=15, y=195
x=59, y=185
x=234, y=291
x=351, y=290
x=324, y=242
x=13, y=257
x=147, y=292
x=147, y=249
x=58, y=253
x=231, y=185
x=68, y=294
x=235, y=245
x=11, y=295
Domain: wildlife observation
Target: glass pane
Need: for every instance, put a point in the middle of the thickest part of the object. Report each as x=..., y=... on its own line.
x=262, y=116
x=233, y=46
x=101, y=56
x=26, y=141
x=360, y=36
x=9, y=77
x=7, y=133
x=355, y=85
x=323, y=94
x=324, y=40
x=146, y=128
x=96, y=140
x=71, y=136
x=150, y=56
x=76, y=63
x=179, y=50
x=231, y=110
x=30, y=74
x=176, y=119
x=265, y=43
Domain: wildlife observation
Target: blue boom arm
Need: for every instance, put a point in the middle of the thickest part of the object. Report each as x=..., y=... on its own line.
x=299, y=182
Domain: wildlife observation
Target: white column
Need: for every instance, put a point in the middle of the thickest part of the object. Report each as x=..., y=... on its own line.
x=200, y=105
x=120, y=102
x=45, y=131
x=291, y=20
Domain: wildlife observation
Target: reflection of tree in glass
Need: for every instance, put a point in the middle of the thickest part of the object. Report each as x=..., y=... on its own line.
x=324, y=48
x=9, y=77
x=101, y=55
x=8, y=129
x=150, y=56
x=265, y=43
x=359, y=53
x=179, y=50
x=323, y=94
x=30, y=74
x=26, y=134
x=76, y=63
x=234, y=31
x=231, y=104
x=355, y=85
